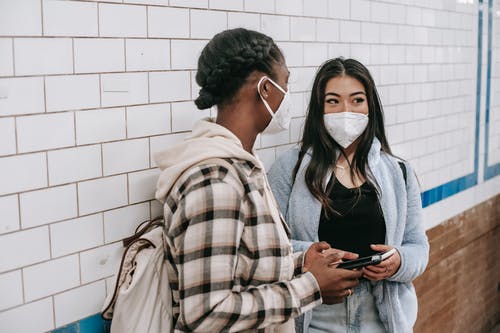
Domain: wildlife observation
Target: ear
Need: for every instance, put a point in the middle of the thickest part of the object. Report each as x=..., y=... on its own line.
x=264, y=87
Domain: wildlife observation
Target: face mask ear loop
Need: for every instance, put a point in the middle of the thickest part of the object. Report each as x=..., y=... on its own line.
x=262, y=98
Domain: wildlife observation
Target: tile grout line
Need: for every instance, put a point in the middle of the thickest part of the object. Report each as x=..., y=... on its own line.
x=13, y=58
x=41, y=18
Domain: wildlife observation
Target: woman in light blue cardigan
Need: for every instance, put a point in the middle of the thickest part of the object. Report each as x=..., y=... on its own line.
x=343, y=185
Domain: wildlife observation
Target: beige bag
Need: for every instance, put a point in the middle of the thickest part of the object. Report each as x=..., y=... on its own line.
x=142, y=299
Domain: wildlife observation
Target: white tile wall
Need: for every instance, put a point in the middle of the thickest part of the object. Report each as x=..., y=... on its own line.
x=195, y=88
x=45, y=131
x=68, y=18
x=339, y=9
x=315, y=54
x=260, y=6
x=100, y=262
x=51, y=277
x=205, y=24
x=190, y=3
x=30, y=318
x=72, y=92
x=361, y=52
x=125, y=156
x=93, y=55
x=339, y=50
x=124, y=89
x=147, y=54
x=23, y=172
x=122, y=20
x=169, y=86
x=34, y=56
x=37, y=238
x=147, y=2
x=10, y=214
x=277, y=27
x=79, y=303
x=7, y=136
x=48, y=205
x=296, y=129
x=185, y=53
x=74, y=164
x=268, y=140
x=318, y=9
x=327, y=30
x=21, y=18
x=16, y=90
x=289, y=7
x=100, y=125
x=360, y=10
x=350, y=31
x=185, y=114
x=102, y=194
x=118, y=79
x=168, y=22
x=76, y=235
x=302, y=78
x=243, y=20
x=148, y=120
x=226, y=4
x=142, y=185
x=158, y=143
x=6, y=57
x=300, y=104
x=294, y=54
x=11, y=288
x=302, y=29
x=122, y=222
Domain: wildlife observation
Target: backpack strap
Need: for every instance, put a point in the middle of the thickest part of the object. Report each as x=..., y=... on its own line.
x=143, y=228
x=403, y=169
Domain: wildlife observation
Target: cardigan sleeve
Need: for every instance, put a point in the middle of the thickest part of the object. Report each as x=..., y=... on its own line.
x=281, y=181
x=414, y=250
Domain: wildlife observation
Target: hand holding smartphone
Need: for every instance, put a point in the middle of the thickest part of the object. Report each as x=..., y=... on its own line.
x=366, y=261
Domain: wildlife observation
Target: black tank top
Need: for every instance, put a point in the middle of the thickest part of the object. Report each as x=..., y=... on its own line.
x=360, y=223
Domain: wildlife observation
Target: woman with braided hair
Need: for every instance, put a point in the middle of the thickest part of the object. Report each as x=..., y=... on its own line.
x=230, y=261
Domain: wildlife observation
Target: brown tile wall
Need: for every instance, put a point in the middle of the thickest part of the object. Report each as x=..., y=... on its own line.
x=459, y=291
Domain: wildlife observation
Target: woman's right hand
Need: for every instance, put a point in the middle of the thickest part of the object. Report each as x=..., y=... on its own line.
x=335, y=283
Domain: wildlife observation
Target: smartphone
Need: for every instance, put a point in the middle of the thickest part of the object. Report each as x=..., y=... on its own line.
x=366, y=261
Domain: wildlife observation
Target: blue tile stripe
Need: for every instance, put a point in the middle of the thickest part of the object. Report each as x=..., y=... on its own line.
x=92, y=324
x=493, y=170
x=455, y=186
x=448, y=189
x=95, y=324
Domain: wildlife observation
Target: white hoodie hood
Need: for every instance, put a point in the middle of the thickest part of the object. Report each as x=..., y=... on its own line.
x=208, y=140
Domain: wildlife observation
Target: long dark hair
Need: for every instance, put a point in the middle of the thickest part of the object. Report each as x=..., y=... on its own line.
x=228, y=59
x=325, y=150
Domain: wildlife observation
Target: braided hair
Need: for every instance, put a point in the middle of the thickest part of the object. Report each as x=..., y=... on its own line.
x=228, y=59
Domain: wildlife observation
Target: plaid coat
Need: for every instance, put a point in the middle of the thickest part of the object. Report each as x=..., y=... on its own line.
x=231, y=265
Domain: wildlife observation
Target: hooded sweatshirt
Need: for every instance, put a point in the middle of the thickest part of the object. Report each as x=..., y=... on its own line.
x=230, y=262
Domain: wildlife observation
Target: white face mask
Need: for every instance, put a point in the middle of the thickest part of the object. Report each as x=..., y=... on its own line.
x=345, y=127
x=280, y=120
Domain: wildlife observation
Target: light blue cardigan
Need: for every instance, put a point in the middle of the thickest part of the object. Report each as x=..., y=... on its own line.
x=402, y=208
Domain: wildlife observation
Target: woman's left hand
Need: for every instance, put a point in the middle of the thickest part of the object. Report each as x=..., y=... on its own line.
x=386, y=268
